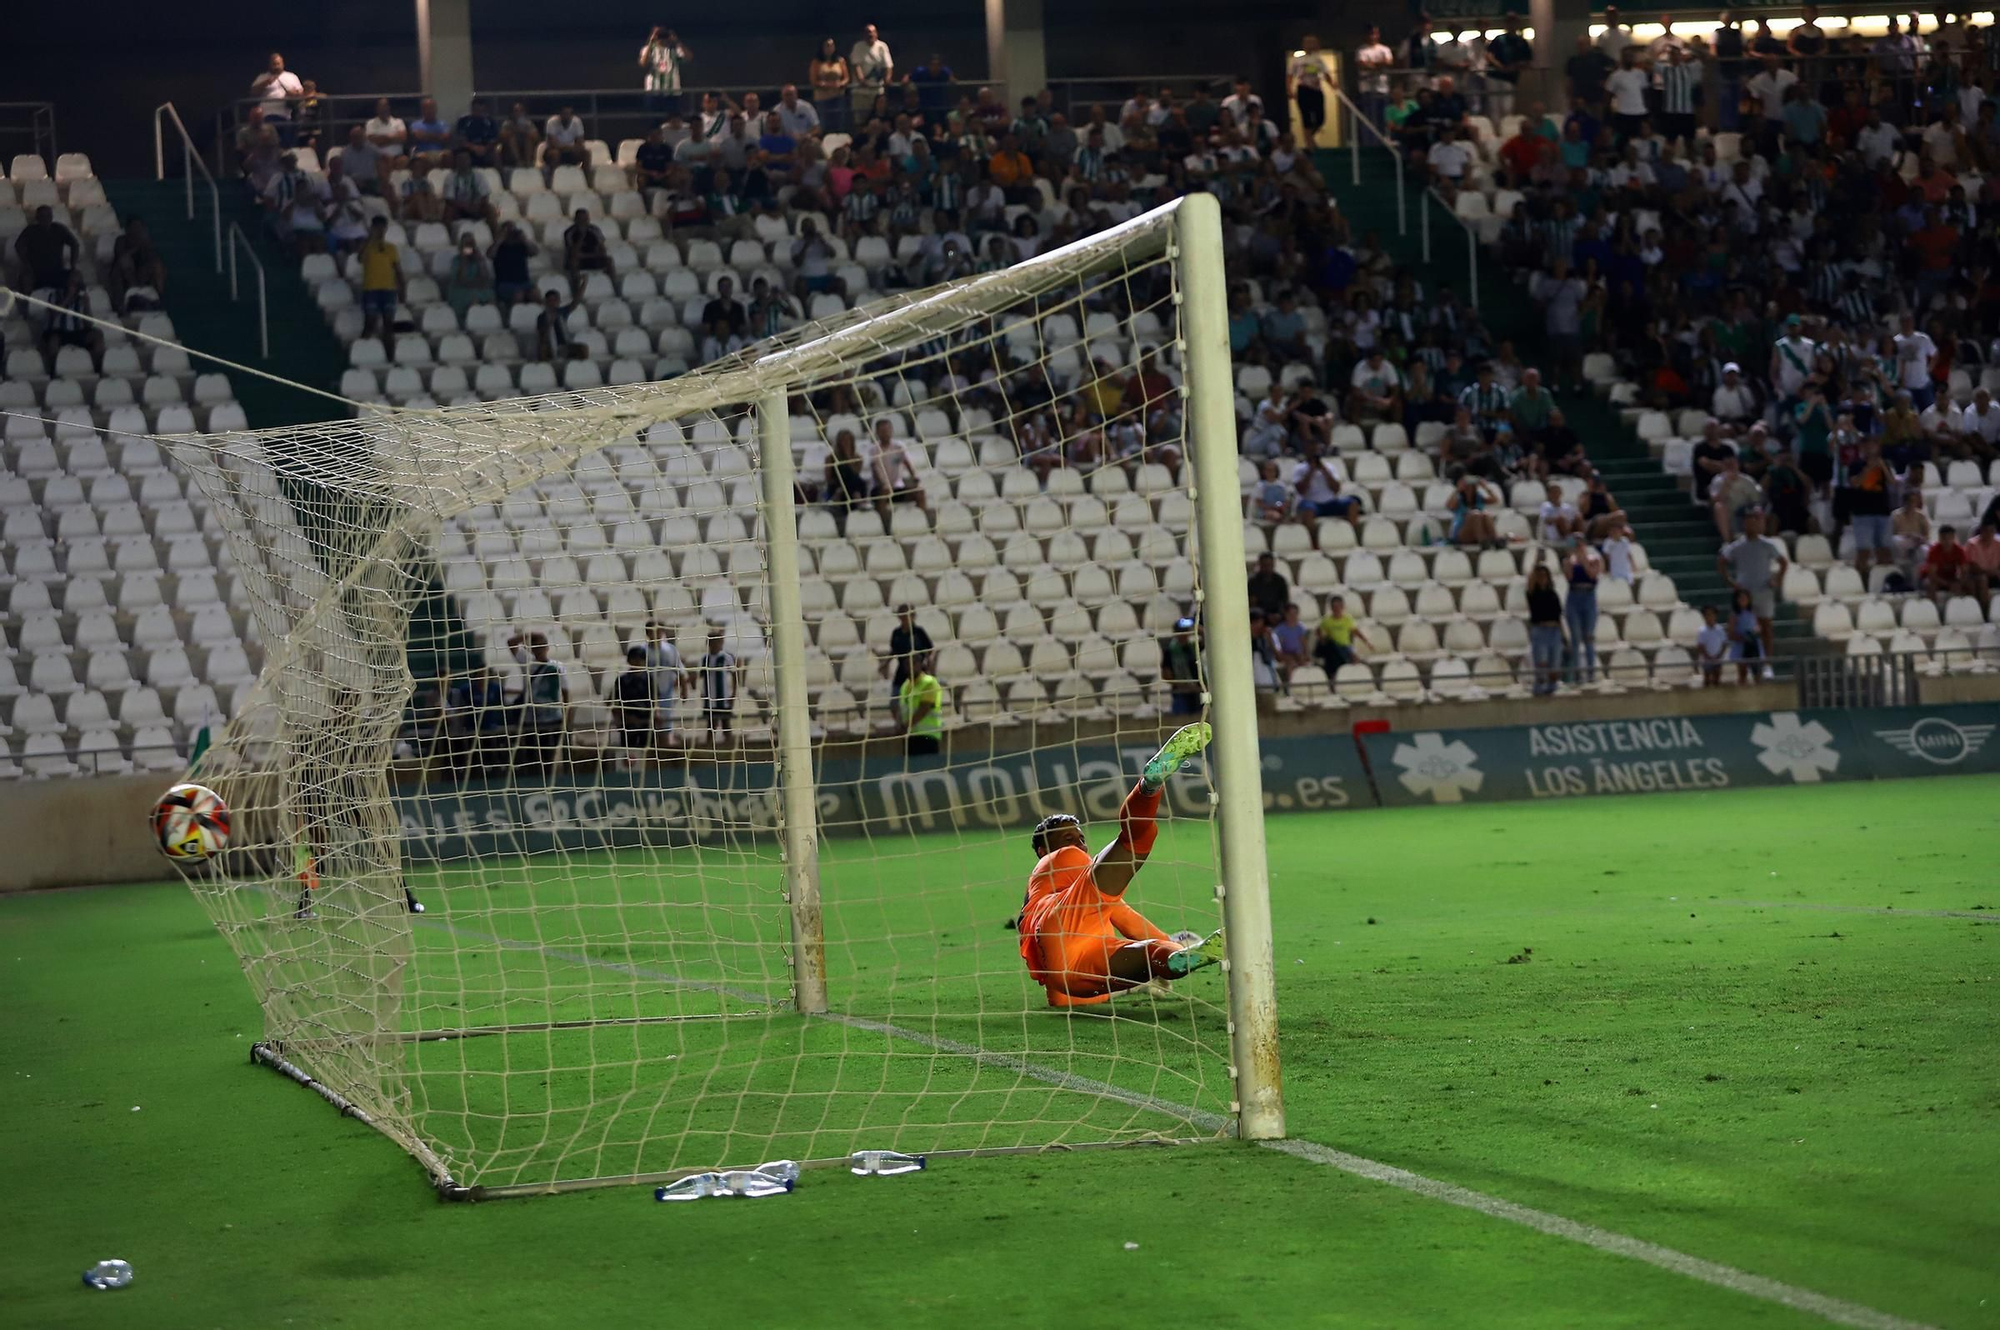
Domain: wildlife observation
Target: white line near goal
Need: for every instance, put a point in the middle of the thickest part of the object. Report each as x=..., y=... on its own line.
x=1839, y=1311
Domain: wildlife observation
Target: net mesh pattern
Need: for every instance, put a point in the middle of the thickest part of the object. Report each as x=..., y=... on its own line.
x=520, y=668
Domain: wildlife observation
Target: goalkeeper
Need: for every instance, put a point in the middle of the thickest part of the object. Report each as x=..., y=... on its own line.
x=1082, y=942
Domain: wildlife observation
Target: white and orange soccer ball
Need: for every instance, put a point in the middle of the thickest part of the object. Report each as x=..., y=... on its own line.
x=191, y=823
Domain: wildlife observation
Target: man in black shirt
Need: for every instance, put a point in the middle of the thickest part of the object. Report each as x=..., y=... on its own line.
x=655, y=159
x=1728, y=46
x=1506, y=56
x=47, y=250
x=1447, y=107
x=632, y=699
x=479, y=134
x=1587, y=70
x=906, y=643
x=1268, y=589
x=584, y=249
x=1707, y=460
x=510, y=255
x=1418, y=51
x=726, y=307
x=1562, y=451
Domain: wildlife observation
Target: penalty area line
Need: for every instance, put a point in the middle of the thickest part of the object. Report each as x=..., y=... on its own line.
x=1887, y=911
x=1839, y=1311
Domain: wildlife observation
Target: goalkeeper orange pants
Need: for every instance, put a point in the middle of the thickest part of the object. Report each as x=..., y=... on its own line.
x=1075, y=942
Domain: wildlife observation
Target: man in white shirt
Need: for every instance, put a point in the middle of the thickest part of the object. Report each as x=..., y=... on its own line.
x=1914, y=352
x=1734, y=400
x=1941, y=138
x=296, y=201
x=1666, y=43
x=1742, y=195
x=1792, y=359
x=663, y=658
x=1317, y=481
x=1626, y=86
x=1376, y=384
x=565, y=133
x=1982, y=418
x=277, y=85
x=1375, y=60
x=387, y=133
x=1114, y=137
x=346, y=218
x=1449, y=158
x=795, y=113
x=1308, y=78
x=870, y=61
x=1558, y=519
x=1616, y=36
x=1877, y=142
x=1770, y=86
x=894, y=476
x=1245, y=107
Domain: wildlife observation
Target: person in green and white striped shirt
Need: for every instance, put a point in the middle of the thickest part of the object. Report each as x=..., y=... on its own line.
x=662, y=58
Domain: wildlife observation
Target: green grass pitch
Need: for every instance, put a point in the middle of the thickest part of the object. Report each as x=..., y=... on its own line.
x=1756, y=1027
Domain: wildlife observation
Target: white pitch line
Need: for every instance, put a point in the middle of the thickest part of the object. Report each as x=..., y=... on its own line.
x=1836, y=1310
x=1976, y=916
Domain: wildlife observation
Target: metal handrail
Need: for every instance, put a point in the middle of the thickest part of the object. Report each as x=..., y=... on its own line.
x=190, y=160
x=238, y=240
x=41, y=127
x=1354, y=156
x=628, y=104
x=1471, y=239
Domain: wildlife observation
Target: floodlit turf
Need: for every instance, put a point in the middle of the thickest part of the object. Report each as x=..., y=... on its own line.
x=1757, y=1027
x=914, y=941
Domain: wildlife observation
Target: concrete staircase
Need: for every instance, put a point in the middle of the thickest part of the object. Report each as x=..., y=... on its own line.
x=303, y=350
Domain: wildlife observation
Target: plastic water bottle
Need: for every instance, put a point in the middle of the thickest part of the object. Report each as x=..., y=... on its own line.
x=691, y=1188
x=108, y=1274
x=785, y=1170
x=754, y=1182
x=883, y=1162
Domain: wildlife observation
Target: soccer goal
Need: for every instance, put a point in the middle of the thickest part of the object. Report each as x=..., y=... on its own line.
x=604, y=681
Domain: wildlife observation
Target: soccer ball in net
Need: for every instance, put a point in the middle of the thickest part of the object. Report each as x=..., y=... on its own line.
x=191, y=822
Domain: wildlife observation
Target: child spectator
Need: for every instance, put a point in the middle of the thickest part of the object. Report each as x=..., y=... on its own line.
x=1334, y=638
x=1747, y=643
x=1712, y=646
x=1289, y=636
x=1272, y=501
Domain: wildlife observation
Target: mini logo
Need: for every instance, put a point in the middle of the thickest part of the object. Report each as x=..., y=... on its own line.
x=1938, y=741
x=1444, y=771
x=1787, y=747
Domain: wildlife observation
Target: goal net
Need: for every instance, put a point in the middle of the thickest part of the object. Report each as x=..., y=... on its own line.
x=605, y=681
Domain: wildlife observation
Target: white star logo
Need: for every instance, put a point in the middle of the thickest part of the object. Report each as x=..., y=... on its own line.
x=1444, y=771
x=1787, y=747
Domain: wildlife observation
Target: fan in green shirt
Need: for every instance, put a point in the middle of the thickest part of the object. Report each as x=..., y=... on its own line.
x=920, y=703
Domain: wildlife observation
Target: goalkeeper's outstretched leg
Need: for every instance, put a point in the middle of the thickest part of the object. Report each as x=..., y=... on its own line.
x=1080, y=938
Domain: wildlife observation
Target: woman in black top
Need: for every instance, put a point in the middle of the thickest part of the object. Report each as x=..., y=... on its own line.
x=1545, y=631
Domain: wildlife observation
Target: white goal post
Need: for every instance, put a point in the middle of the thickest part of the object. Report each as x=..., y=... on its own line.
x=696, y=976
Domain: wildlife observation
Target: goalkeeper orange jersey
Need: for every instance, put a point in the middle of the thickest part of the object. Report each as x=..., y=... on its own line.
x=1069, y=928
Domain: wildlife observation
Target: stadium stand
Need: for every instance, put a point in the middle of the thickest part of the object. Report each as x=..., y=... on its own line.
x=1801, y=289
x=632, y=247
x=127, y=638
